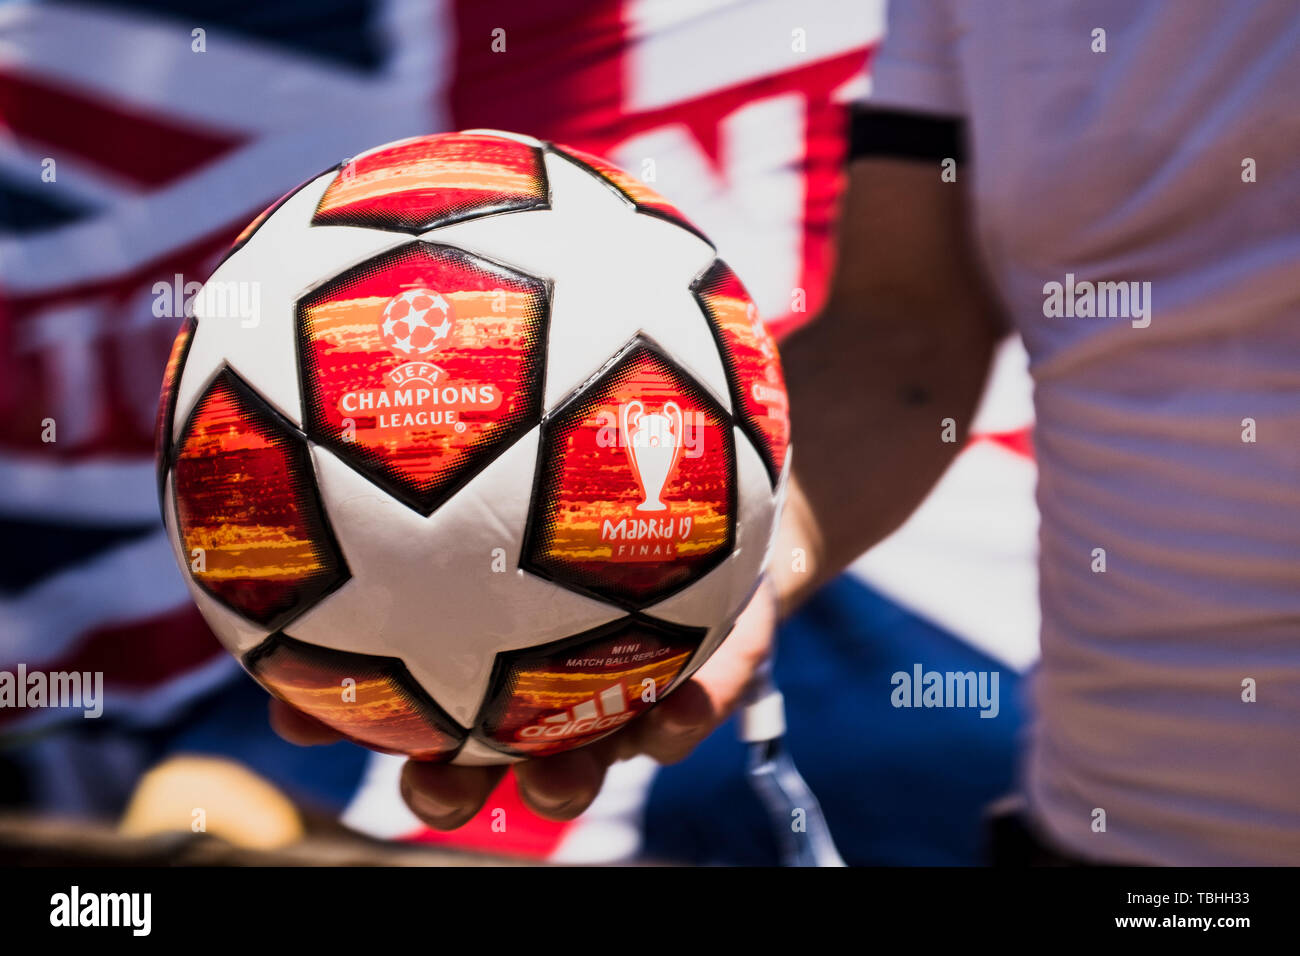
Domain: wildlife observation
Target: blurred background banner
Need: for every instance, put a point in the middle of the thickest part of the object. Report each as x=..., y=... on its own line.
x=137, y=138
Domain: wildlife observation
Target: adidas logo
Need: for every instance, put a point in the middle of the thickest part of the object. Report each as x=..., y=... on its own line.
x=606, y=710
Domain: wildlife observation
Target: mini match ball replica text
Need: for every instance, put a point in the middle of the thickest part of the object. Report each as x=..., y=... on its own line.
x=472, y=448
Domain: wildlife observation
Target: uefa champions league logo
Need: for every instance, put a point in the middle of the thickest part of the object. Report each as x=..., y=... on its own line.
x=653, y=443
x=416, y=322
x=419, y=394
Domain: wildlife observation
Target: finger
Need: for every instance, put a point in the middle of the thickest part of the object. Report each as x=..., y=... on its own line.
x=562, y=786
x=298, y=728
x=677, y=724
x=444, y=796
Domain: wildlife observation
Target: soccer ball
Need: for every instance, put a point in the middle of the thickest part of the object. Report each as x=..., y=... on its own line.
x=472, y=448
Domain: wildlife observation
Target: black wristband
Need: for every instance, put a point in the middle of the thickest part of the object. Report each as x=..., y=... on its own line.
x=903, y=135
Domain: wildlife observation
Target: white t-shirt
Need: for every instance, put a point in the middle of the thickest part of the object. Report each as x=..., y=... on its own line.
x=1168, y=431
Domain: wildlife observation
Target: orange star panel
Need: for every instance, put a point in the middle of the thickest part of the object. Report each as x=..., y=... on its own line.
x=416, y=184
x=548, y=699
x=752, y=363
x=245, y=498
x=636, y=486
x=368, y=698
x=421, y=365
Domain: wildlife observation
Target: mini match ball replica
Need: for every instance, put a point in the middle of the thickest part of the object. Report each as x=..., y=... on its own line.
x=472, y=448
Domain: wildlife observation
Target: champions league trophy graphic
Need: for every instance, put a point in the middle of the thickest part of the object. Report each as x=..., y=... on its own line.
x=653, y=444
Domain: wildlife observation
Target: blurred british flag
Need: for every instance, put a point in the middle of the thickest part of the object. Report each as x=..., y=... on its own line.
x=138, y=137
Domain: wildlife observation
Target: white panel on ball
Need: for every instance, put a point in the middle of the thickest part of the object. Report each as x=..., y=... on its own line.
x=475, y=753
x=425, y=589
x=616, y=272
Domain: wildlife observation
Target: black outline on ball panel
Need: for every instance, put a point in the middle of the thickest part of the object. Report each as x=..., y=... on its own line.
x=342, y=572
x=491, y=704
x=166, y=452
x=539, y=465
x=400, y=674
x=475, y=464
x=491, y=209
x=592, y=171
x=744, y=420
x=543, y=351
x=541, y=479
x=680, y=220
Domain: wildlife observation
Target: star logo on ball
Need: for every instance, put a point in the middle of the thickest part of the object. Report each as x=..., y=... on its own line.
x=416, y=322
